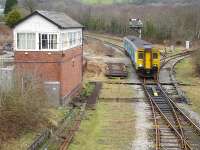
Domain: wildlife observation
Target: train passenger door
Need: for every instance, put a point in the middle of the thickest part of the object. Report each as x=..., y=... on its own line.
x=147, y=59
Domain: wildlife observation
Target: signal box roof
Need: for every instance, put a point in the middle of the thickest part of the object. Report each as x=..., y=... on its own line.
x=60, y=19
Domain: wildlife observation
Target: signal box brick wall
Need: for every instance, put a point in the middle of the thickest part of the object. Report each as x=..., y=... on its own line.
x=65, y=67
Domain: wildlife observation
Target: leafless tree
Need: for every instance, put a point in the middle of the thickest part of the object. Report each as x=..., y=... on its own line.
x=30, y=5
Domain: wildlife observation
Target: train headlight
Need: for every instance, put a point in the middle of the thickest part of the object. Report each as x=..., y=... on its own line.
x=140, y=65
x=155, y=65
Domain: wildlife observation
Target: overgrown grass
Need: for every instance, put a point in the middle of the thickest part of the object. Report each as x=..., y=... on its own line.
x=21, y=143
x=110, y=126
x=116, y=91
x=97, y=1
x=185, y=73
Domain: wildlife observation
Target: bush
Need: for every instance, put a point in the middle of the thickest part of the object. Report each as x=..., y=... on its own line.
x=24, y=107
x=13, y=17
x=87, y=90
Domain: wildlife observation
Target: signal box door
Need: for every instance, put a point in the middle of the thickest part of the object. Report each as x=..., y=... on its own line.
x=147, y=59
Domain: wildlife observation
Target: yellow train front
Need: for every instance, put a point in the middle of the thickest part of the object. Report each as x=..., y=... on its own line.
x=144, y=56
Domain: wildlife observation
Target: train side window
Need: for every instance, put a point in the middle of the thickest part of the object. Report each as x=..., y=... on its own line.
x=140, y=55
x=155, y=56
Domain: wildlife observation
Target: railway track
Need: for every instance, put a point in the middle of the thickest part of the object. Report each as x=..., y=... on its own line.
x=166, y=59
x=174, y=130
x=113, y=45
x=105, y=37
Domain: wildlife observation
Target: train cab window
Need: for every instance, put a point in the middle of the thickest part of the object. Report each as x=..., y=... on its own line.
x=140, y=55
x=155, y=56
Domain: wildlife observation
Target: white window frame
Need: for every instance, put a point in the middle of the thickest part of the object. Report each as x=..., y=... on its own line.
x=65, y=40
x=48, y=42
x=26, y=41
x=75, y=38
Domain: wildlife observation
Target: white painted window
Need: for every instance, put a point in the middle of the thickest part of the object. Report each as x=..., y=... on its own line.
x=44, y=41
x=52, y=41
x=31, y=40
x=26, y=41
x=65, y=40
x=79, y=37
x=74, y=38
x=70, y=39
x=48, y=41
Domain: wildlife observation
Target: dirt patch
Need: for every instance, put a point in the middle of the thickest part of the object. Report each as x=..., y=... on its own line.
x=98, y=48
x=94, y=70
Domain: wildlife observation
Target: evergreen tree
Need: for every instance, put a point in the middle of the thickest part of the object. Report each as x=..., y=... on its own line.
x=9, y=5
x=13, y=17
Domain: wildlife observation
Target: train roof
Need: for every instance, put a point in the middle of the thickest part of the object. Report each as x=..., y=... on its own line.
x=138, y=42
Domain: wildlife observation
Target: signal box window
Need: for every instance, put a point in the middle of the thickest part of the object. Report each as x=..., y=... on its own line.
x=140, y=55
x=155, y=56
x=26, y=41
x=47, y=41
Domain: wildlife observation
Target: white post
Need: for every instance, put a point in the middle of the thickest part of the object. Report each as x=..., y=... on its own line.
x=140, y=33
x=187, y=45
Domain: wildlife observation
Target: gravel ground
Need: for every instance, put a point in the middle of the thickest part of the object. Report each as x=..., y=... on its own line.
x=142, y=125
x=193, y=115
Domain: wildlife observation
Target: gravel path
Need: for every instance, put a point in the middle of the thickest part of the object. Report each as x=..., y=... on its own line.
x=142, y=125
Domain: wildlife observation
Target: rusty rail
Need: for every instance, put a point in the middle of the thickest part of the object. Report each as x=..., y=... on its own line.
x=156, y=124
x=69, y=136
x=184, y=144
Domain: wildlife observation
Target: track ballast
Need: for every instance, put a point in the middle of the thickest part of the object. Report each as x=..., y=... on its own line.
x=174, y=130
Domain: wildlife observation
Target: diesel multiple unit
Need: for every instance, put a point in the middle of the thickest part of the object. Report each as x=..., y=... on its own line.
x=144, y=56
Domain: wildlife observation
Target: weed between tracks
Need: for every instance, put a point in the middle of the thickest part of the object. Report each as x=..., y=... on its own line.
x=110, y=126
x=116, y=91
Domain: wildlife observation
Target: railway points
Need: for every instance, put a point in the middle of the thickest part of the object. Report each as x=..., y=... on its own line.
x=173, y=129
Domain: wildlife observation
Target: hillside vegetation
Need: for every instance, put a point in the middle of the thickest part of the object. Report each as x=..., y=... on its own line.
x=138, y=2
x=174, y=23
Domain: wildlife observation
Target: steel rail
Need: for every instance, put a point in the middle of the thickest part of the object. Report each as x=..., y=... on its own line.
x=178, y=132
x=106, y=42
x=165, y=60
x=106, y=37
x=185, y=145
x=156, y=124
x=181, y=112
